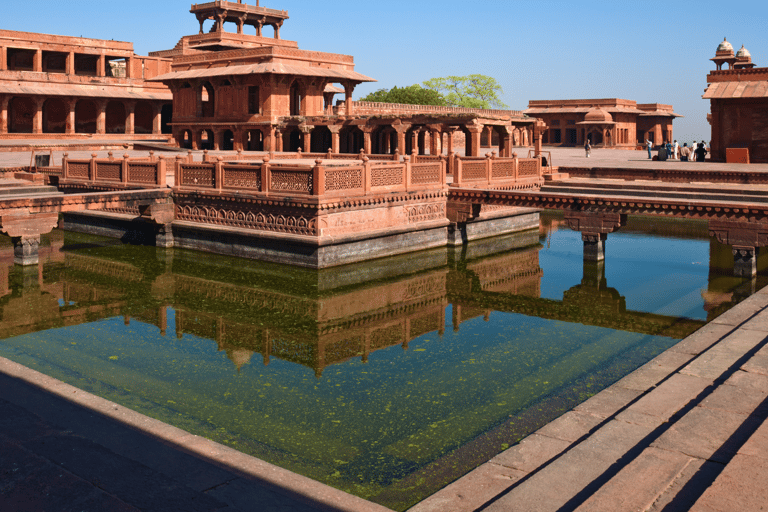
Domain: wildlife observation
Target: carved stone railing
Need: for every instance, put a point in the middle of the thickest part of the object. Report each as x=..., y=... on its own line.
x=497, y=173
x=325, y=181
x=123, y=172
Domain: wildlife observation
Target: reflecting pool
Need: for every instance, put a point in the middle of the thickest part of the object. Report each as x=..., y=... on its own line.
x=388, y=379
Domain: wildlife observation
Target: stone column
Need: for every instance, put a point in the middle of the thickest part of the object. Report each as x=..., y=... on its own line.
x=269, y=140
x=3, y=58
x=37, y=62
x=4, y=101
x=335, y=138
x=157, y=120
x=746, y=238
x=218, y=137
x=101, y=118
x=277, y=29
x=37, y=119
x=25, y=230
x=367, y=130
x=101, y=67
x=278, y=140
x=348, y=89
x=475, y=130
x=130, y=110
x=71, y=63
x=594, y=228
x=70, y=126
x=306, y=138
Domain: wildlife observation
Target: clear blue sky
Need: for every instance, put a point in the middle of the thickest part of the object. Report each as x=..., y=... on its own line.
x=551, y=49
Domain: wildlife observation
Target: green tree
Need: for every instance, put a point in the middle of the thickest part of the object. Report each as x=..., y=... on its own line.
x=472, y=91
x=411, y=95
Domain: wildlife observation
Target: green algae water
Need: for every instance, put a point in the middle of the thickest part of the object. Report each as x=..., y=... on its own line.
x=388, y=379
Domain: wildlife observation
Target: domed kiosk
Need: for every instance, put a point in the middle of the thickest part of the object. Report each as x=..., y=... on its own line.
x=598, y=124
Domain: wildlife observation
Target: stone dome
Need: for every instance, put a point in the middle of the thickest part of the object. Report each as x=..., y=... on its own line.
x=597, y=115
x=725, y=46
x=743, y=53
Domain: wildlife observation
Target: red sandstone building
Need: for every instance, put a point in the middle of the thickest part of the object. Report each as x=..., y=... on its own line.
x=55, y=85
x=614, y=123
x=739, y=107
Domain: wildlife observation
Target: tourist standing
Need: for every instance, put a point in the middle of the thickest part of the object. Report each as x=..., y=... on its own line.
x=587, y=147
x=649, y=145
x=668, y=146
x=676, y=149
x=685, y=152
x=701, y=152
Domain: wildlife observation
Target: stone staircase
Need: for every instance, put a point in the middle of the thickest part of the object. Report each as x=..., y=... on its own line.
x=17, y=189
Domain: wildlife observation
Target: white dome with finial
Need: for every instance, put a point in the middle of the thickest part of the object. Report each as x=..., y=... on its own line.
x=743, y=53
x=725, y=46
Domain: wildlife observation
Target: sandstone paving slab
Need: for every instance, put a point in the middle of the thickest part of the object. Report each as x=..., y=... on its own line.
x=737, y=316
x=723, y=357
x=532, y=452
x=757, y=323
x=472, y=491
x=710, y=434
x=553, y=486
x=758, y=363
x=702, y=339
x=608, y=402
x=740, y=487
x=655, y=371
x=742, y=393
x=757, y=444
x=671, y=396
x=686, y=489
x=639, y=484
x=241, y=495
x=571, y=426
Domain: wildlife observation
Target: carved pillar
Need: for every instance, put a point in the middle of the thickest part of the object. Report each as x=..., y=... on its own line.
x=70, y=126
x=25, y=230
x=473, y=141
x=594, y=228
x=3, y=58
x=201, y=19
x=37, y=62
x=335, y=138
x=538, y=130
x=240, y=23
x=71, y=63
x=4, y=100
x=367, y=130
x=278, y=140
x=101, y=117
x=277, y=29
x=306, y=138
x=218, y=138
x=259, y=27
x=157, y=120
x=349, y=87
x=269, y=140
x=37, y=119
x=101, y=67
x=130, y=109
x=746, y=238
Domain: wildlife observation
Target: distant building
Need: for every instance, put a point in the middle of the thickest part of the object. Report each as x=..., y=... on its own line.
x=614, y=123
x=739, y=106
x=58, y=87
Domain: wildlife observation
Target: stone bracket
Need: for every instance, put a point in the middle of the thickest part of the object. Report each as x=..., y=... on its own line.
x=595, y=223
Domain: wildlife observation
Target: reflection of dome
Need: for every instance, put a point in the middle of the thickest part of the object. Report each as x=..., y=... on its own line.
x=598, y=115
x=743, y=53
x=725, y=46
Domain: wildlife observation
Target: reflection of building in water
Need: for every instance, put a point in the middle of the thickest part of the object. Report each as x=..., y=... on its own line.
x=325, y=322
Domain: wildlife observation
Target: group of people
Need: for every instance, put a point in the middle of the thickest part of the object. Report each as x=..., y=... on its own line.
x=695, y=152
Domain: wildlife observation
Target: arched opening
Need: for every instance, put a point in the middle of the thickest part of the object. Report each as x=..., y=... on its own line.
x=185, y=139
x=85, y=116
x=291, y=140
x=254, y=140
x=383, y=140
x=296, y=99
x=115, y=120
x=166, y=117
x=206, y=139
x=468, y=150
x=321, y=140
x=595, y=137
x=143, y=117
x=207, y=100
x=21, y=114
x=228, y=144
x=351, y=139
x=55, y=113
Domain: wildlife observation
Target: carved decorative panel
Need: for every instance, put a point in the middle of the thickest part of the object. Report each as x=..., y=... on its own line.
x=108, y=171
x=142, y=173
x=425, y=212
x=79, y=169
x=291, y=181
x=426, y=173
x=387, y=336
x=197, y=176
x=425, y=324
x=343, y=179
x=387, y=176
x=242, y=177
x=503, y=169
x=527, y=168
x=343, y=349
x=247, y=219
x=472, y=170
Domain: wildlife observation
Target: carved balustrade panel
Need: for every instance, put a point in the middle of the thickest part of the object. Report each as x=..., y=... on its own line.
x=242, y=176
x=387, y=336
x=241, y=216
x=503, y=169
x=345, y=348
x=422, y=174
x=426, y=324
x=291, y=180
x=473, y=171
x=343, y=179
x=139, y=172
x=528, y=168
x=389, y=176
x=197, y=175
x=294, y=350
x=425, y=212
x=79, y=169
x=109, y=171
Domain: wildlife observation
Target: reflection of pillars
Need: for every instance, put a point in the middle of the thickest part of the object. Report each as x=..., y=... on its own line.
x=406, y=333
x=320, y=361
x=266, y=346
x=162, y=316
x=4, y=283
x=456, y=317
x=179, y=324
x=366, y=348
x=220, y=331
x=30, y=278
x=594, y=274
x=441, y=329
x=25, y=250
x=744, y=261
x=594, y=246
x=126, y=320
